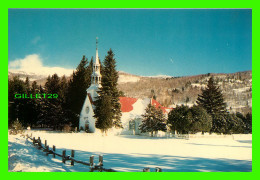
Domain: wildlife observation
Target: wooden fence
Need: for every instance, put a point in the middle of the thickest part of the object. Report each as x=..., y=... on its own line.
x=92, y=166
x=45, y=147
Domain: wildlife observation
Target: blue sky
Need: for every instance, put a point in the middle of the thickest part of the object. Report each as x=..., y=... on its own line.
x=174, y=42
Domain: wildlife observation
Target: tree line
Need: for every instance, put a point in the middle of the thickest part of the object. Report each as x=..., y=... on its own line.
x=65, y=110
x=209, y=115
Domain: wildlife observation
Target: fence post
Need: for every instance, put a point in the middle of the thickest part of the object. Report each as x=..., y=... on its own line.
x=47, y=150
x=39, y=142
x=146, y=170
x=53, y=149
x=72, y=156
x=34, y=141
x=63, y=156
x=45, y=144
x=91, y=161
x=31, y=134
x=157, y=169
x=100, y=160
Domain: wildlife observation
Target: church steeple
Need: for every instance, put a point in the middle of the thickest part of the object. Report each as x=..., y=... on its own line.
x=96, y=60
x=96, y=76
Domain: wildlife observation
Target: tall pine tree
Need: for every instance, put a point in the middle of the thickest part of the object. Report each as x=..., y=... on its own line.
x=212, y=100
x=109, y=89
x=77, y=87
x=105, y=113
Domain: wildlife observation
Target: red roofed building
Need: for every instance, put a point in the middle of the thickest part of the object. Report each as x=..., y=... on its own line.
x=127, y=103
x=132, y=110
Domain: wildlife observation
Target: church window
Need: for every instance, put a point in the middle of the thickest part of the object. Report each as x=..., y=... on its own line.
x=87, y=109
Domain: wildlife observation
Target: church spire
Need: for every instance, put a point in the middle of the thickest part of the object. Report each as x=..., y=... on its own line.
x=96, y=76
x=97, y=60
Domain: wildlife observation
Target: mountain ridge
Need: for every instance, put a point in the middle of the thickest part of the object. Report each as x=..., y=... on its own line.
x=171, y=91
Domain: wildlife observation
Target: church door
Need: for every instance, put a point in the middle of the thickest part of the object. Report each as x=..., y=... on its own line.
x=87, y=127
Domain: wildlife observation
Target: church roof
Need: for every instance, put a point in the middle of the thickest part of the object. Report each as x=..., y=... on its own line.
x=158, y=105
x=127, y=104
x=90, y=98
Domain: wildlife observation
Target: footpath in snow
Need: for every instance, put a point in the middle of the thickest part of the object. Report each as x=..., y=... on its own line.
x=133, y=153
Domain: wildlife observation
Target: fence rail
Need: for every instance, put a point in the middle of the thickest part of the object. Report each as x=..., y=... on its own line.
x=93, y=167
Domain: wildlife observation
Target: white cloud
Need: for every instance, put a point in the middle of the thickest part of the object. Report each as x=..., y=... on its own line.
x=32, y=64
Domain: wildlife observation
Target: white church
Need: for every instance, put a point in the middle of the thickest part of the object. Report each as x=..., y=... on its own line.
x=131, y=108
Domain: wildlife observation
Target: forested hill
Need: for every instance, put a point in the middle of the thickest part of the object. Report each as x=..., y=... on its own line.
x=172, y=91
x=236, y=87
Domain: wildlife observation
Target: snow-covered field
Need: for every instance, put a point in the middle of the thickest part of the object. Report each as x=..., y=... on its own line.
x=133, y=153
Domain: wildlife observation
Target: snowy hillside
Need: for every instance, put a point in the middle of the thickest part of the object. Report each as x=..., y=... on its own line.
x=126, y=77
x=133, y=153
x=172, y=91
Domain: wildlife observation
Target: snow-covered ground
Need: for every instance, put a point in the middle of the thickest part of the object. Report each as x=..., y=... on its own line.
x=133, y=153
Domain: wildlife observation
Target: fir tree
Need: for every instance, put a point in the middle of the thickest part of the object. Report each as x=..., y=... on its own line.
x=15, y=105
x=103, y=113
x=76, y=92
x=153, y=120
x=180, y=119
x=234, y=124
x=109, y=88
x=248, y=123
x=27, y=85
x=52, y=113
x=201, y=120
x=212, y=99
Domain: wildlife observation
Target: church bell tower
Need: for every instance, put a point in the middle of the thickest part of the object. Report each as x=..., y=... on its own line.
x=87, y=119
x=96, y=76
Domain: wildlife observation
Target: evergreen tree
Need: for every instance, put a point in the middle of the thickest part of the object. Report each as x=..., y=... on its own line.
x=180, y=119
x=27, y=85
x=15, y=105
x=77, y=87
x=190, y=120
x=201, y=120
x=212, y=99
x=234, y=124
x=109, y=88
x=161, y=121
x=52, y=113
x=153, y=120
x=248, y=122
x=103, y=113
x=30, y=108
x=219, y=123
